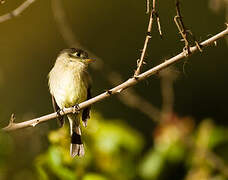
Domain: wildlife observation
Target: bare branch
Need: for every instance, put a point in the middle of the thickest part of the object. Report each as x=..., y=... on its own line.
x=11, y=121
x=178, y=19
x=118, y=89
x=16, y=11
x=147, y=6
x=148, y=37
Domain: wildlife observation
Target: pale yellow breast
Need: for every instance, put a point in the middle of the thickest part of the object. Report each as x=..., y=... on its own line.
x=67, y=86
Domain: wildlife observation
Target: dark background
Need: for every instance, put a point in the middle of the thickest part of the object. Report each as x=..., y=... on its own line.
x=114, y=31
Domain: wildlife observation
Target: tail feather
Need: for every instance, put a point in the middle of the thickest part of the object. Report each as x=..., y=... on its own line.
x=76, y=147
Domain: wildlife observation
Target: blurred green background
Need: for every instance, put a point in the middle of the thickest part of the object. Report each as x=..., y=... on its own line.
x=189, y=141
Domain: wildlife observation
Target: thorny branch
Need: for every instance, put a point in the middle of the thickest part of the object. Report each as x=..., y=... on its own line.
x=113, y=77
x=116, y=90
x=178, y=19
x=153, y=14
x=16, y=12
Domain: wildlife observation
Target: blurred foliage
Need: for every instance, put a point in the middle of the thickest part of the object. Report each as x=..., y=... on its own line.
x=115, y=151
x=111, y=152
x=6, y=146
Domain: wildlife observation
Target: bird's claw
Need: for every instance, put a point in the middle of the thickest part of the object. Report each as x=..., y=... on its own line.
x=59, y=112
x=60, y=119
x=76, y=108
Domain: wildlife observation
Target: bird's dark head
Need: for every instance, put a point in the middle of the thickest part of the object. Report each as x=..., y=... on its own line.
x=74, y=54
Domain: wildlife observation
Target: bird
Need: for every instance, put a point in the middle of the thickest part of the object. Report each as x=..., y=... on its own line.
x=70, y=84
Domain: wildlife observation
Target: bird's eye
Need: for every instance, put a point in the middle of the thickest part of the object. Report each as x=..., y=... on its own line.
x=77, y=54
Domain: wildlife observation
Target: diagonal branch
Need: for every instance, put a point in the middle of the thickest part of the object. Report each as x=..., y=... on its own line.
x=16, y=11
x=113, y=77
x=118, y=89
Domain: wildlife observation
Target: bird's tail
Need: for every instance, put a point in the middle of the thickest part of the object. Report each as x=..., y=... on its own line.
x=76, y=147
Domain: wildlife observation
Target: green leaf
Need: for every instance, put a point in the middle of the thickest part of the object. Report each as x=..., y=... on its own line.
x=152, y=165
x=93, y=176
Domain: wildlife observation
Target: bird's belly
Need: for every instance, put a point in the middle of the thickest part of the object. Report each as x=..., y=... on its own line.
x=71, y=90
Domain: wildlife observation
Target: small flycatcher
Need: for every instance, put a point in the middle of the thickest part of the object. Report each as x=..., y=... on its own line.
x=70, y=84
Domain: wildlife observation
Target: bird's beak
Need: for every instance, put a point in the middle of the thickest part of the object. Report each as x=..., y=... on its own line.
x=89, y=60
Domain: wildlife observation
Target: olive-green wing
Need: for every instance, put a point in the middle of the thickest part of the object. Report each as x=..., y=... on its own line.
x=86, y=111
x=56, y=108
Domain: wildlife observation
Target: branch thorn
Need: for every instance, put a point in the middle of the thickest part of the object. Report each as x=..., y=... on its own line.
x=118, y=91
x=12, y=118
x=109, y=92
x=226, y=25
x=35, y=123
x=136, y=78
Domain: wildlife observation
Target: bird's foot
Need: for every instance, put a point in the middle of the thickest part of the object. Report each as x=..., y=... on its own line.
x=60, y=118
x=76, y=109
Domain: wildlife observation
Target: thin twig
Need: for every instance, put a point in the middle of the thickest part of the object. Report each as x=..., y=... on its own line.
x=113, y=77
x=153, y=14
x=118, y=89
x=16, y=12
x=148, y=36
x=157, y=17
x=147, y=6
x=178, y=19
x=11, y=121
